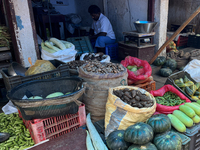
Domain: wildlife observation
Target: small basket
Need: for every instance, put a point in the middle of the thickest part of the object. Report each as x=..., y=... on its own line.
x=44, y=108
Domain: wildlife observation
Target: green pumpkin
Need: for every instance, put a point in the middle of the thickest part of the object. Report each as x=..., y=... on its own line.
x=148, y=146
x=170, y=63
x=160, y=123
x=139, y=133
x=160, y=60
x=115, y=141
x=165, y=72
x=168, y=141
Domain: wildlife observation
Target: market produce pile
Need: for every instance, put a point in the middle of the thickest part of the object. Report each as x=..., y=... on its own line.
x=134, y=98
x=97, y=56
x=19, y=136
x=103, y=68
x=155, y=134
x=187, y=115
x=75, y=64
x=5, y=37
x=189, y=87
x=169, y=99
x=55, y=45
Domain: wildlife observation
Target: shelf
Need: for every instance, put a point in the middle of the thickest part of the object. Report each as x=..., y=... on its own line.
x=4, y=48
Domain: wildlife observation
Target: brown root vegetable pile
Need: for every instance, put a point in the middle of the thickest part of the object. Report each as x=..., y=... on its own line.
x=75, y=64
x=103, y=68
x=134, y=98
x=98, y=57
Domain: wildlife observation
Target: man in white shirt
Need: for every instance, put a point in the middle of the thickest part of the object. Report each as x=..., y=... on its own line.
x=101, y=29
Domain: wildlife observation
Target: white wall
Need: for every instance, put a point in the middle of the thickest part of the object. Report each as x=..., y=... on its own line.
x=123, y=13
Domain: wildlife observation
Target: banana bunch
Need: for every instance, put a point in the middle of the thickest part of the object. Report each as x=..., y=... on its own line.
x=190, y=88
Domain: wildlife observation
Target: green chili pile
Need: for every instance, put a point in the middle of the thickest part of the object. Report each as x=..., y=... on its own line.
x=169, y=99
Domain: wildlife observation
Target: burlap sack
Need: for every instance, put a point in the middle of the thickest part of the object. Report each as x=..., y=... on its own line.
x=181, y=58
x=96, y=93
x=120, y=115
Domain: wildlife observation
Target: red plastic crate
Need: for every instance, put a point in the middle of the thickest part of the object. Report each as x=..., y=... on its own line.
x=182, y=41
x=50, y=128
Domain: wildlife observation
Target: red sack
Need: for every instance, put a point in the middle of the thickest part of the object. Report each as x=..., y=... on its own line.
x=142, y=73
x=168, y=109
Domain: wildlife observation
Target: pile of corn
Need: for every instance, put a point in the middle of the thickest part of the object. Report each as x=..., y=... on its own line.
x=5, y=38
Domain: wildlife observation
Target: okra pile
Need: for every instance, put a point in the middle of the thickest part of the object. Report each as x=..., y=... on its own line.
x=169, y=99
x=19, y=136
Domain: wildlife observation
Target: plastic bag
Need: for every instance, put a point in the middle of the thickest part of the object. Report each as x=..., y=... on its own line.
x=120, y=115
x=168, y=109
x=106, y=60
x=40, y=66
x=9, y=108
x=141, y=74
x=65, y=55
x=193, y=68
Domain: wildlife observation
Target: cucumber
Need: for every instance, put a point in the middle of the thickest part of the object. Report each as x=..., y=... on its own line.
x=187, y=121
x=176, y=123
x=194, y=107
x=197, y=104
x=187, y=110
x=196, y=119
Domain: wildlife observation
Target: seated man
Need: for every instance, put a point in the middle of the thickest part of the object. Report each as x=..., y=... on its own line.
x=101, y=29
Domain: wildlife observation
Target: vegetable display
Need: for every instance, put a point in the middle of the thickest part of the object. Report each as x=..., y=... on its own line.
x=103, y=68
x=139, y=133
x=55, y=45
x=168, y=141
x=134, y=98
x=156, y=134
x=19, y=136
x=169, y=99
x=75, y=64
x=160, y=123
x=160, y=60
x=187, y=121
x=148, y=146
x=115, y=141
x=134, y=68
x=189, y=87
x=165, y=72
x=176, y=123
x=171, y=64
x=97, y=56
x=186, y=116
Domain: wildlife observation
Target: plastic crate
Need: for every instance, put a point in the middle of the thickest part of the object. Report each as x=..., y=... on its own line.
x=193, y=41
x=170, y=80
x=82, y=44
x=182, y=41
x=12, y=81
x=112, y=50
x=185, y=140
x=194, y=134
x=50, y=128
x=148, y=86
